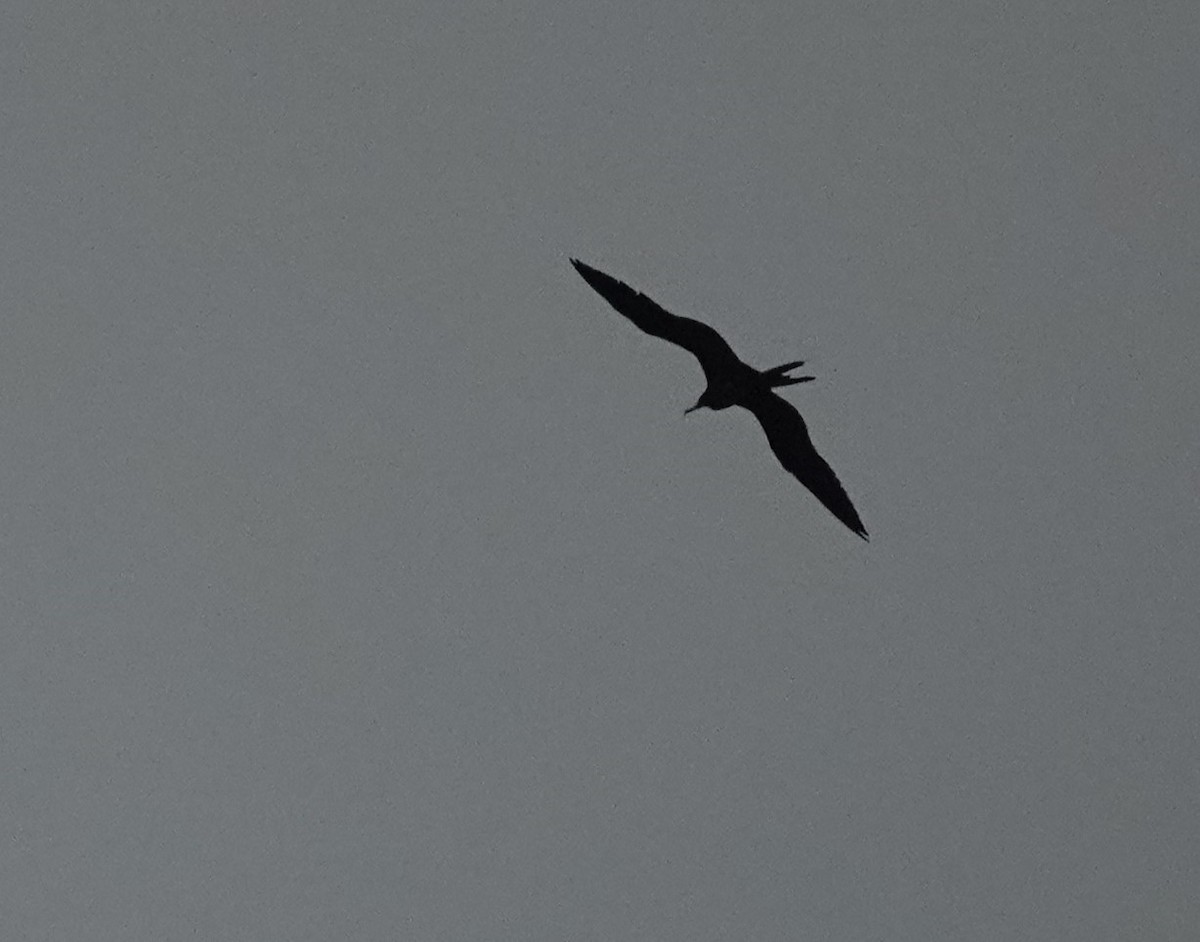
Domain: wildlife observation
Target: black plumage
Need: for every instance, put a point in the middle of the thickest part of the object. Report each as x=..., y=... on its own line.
x=734, y=383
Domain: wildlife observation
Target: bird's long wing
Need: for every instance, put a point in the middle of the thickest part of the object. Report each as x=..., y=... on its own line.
x=788, y=437
x=699, y=339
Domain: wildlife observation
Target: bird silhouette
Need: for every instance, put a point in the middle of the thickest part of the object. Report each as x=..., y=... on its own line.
x=734, y=383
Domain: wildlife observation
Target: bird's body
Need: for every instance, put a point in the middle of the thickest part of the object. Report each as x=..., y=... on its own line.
x=734, y=383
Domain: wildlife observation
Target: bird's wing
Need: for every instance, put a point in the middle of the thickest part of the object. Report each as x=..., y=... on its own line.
x=788, y=437
x=709, y=347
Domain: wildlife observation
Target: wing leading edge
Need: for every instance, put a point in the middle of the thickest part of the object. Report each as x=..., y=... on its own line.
x=704, y=343
x=788, y=437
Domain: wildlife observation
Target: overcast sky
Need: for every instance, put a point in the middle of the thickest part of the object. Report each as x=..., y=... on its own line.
x=361, y=578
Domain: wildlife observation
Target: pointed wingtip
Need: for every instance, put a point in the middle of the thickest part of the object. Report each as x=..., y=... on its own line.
x=592, y=276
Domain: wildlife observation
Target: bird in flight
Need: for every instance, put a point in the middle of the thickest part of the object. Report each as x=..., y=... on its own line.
x=734, y=383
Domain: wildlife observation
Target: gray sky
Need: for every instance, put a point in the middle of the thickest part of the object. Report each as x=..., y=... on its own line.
x=362, y=580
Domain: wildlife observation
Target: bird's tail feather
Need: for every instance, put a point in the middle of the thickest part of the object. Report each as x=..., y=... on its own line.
x=790, y=380
x=777, y=375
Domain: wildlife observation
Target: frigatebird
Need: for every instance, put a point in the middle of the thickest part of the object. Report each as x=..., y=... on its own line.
x=734, y=383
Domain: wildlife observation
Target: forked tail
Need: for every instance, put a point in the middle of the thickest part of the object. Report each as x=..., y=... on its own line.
x=777, y=375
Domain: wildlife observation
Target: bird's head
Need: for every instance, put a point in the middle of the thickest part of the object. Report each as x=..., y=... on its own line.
x=704, y=402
